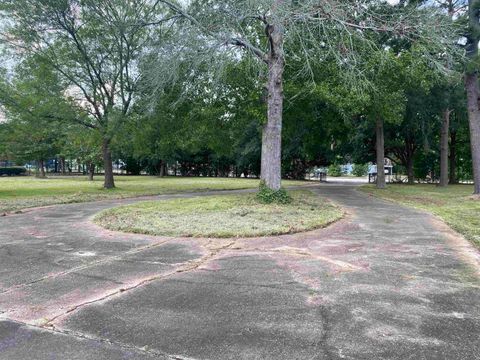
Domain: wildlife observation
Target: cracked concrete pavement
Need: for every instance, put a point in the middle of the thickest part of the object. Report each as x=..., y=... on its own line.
x=386, y=282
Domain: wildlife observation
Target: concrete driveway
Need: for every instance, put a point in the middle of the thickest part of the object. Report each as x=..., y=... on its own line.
x=386, y=282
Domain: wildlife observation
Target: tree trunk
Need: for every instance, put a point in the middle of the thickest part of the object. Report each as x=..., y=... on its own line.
x=161, y=172
x=91, y=170
x=109, y=182
x=271, y=167
x=410, y=175
x=40, y=169
x=453, y=158
x=471, y=84
x=63, y=165
x=444, y=148
x=380, y=144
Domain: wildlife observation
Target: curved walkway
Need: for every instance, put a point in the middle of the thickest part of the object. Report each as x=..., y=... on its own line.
x=387, y=282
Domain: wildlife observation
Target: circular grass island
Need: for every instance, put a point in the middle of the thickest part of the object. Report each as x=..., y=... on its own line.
x=222, y=216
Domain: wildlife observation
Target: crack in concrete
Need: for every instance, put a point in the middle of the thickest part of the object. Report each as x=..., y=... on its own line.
x=324, y=339
x=345, y=266
x=279, y=286
x=83, y=336
x=85, y=266
x=184, y=268
x=218, y=249
x=300, y=252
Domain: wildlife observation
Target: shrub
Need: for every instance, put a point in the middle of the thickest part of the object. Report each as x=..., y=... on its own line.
x=12, y=171
x=266, y=195
x=360, y=169
x=334, y=170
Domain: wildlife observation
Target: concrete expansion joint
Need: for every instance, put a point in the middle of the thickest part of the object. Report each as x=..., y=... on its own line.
x=302, y=253
x=84, y=266
x=315, y=265
x=183, y=268
x=177, y=357
x=80, y=335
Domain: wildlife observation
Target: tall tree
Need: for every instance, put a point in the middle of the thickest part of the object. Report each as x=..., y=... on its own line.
x=406, y=48
x=275, y=31
x=386, y=103
x=94, y=45
x=473, y=92
x=29, y=100
x=453, y=8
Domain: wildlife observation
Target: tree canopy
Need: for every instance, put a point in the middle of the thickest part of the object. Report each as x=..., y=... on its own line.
x=264, y=88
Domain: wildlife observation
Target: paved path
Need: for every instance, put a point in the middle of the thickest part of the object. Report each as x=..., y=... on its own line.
x=385, y=283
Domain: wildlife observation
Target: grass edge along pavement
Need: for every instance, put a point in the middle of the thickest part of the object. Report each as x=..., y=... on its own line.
x=222, y=216
x=21, y=193
x=453, y=204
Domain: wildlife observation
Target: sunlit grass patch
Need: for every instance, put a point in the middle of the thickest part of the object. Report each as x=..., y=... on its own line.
x=25, y=192
x=222, y=216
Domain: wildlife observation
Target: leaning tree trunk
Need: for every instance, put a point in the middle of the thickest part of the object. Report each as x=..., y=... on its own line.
x=444, y=148
x=380, y=144
x=109, y=182
x=271, y=167
x=471, y=84
x=453, y=158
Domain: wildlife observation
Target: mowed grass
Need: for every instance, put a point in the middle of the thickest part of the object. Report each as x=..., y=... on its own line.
x=25, y=192
x=454, y=204
x=222, y=216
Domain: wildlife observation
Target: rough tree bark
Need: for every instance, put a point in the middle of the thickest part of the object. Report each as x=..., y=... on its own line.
x=444, y=148
x=109, y=182
x=471, y=84
x=453, y=158
x=271, y=169
x=380, y=145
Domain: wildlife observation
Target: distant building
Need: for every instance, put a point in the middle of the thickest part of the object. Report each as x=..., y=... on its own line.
x=347, y=169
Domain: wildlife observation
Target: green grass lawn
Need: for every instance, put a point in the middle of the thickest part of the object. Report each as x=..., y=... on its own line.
x=221, y=216
x=454, y=204
x=25, y=192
